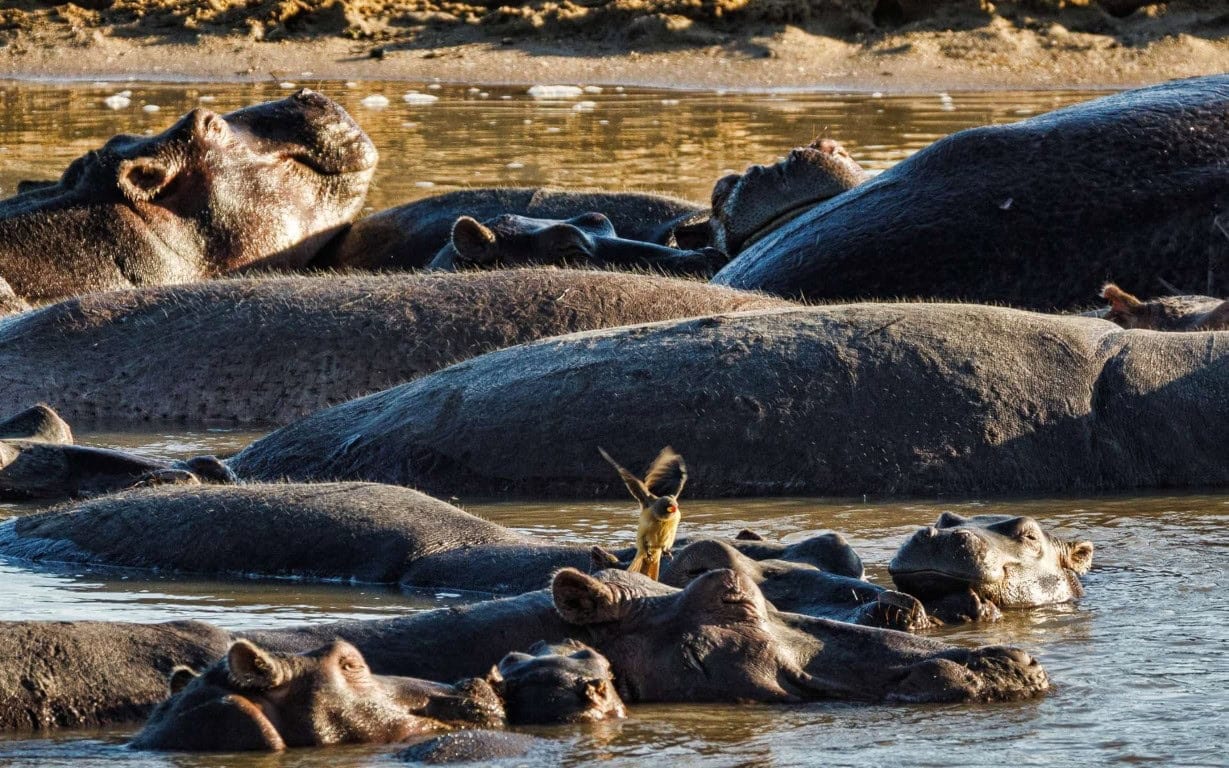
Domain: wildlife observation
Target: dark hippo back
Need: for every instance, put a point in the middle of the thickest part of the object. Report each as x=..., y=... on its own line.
x=889, y=399
x=1035, y=214
x=270, y=351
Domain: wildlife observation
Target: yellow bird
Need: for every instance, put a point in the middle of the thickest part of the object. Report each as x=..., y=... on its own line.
x=659, y=507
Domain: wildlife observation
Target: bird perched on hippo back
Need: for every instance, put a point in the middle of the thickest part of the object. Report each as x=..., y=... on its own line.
x=1135, y=185
x=659, y=509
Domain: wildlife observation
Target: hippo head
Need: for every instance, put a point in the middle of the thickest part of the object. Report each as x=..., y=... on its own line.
x=565, y=682
x=266, y=185
x=254, y=699
x=1170, y=313
x=511, y=241
x=718, y=639
x=1009, y=562
x=747, y=206
x=801, y=587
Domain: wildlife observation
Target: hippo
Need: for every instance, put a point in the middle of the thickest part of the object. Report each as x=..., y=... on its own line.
x=969, y=568
x=269, y=351
x=888, y=399
x=563, y=682
x=253, y=699
x=717, y=640
x=262, y=187
x=587, y=240
x=1134, y=185
x=410, y=236
x=476, y=746
x=1168, y=313
x=38, y=460
x=748, y=205
x=360, y=532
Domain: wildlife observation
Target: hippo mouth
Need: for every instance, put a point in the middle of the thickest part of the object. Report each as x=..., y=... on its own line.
x=924, y=583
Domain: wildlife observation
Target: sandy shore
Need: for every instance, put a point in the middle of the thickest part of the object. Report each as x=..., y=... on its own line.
x=956, y=49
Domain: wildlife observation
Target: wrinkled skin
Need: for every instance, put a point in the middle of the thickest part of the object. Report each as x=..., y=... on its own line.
x=969, y=568
x=346, y=531
x=588, y=240
x=893, y=399
x=717, y=640
x=1130, y=186
x=39, y=460
x=748, y=205
x=801, y=588
x=566, y=682
x=270, y=351
x=410, y=236
x=264, y=186
x=254, y=699
x=1168, y=313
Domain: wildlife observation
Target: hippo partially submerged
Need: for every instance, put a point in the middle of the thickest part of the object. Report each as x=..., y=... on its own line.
x=969, y=568
x=717, y=640
x=410, y=236
x=264, y=186
x=1168, y=313
x=1133, y=186
x=874, y=398
x=273, y=350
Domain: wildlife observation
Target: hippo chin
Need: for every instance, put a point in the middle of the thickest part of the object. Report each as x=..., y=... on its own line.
x=968, y=568
x=1133, y=185
x=264, y=186
x=410, y=236
x=588, y=240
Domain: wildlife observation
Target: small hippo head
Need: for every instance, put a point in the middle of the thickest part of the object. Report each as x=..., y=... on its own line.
x=266, y=185
x=1008, y=561
x=565, y=682
x=513, y=241
x=747, y=206
x=255, y=699
x=801, y=587
x=1170, y=313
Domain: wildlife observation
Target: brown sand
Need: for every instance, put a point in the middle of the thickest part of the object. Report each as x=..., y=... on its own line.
x=889, y=45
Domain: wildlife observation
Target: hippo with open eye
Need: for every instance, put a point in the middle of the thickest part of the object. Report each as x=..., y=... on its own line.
x=565, y=682
x=587, y=240
x=968, y=568
x=263, y=186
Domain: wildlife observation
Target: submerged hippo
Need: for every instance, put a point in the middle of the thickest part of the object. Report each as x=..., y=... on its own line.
x=968, y=568
x=410, y=236
x=1169, y=313
x=39, y=460
x=264, y=186
x=350, y=531
x=845, y=400
x=1134, y=186
x=588, y=240
x=717, y=640
x=273, y=350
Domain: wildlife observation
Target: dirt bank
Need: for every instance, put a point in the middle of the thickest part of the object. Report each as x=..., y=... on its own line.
x=843, y=44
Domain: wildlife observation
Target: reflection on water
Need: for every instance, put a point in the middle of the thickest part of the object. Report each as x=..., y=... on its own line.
x=1139, y=666
x=677, y=143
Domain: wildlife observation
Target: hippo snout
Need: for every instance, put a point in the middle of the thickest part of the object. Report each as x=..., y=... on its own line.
x=992, y=673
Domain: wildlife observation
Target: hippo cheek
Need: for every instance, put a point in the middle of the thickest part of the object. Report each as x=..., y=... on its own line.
x=995, y=673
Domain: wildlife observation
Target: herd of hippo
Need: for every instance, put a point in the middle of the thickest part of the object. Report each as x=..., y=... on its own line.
x=437, y=348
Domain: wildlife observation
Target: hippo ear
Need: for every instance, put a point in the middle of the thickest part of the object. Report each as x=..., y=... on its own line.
x=950, y=520
x=180, y=677
x=600, y=559
x=141, y=179
x=1120, y=301
x=8, y=454
x=582, y=599
x=1079, y=556
x=495, y=679
x=253, y=668
x=473, y=240
x=746, y=534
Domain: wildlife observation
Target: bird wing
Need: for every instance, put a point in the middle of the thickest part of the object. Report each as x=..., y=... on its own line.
x=667, y=474
x=634, y=486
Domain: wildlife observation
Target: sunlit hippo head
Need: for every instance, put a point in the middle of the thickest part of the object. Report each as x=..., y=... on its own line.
x=1169, y=313
x=587, y=240
x=748, y=205
x=255, y=699
x=266, y=185
x=1009, y=562
x=718, y=640
x=565, y=682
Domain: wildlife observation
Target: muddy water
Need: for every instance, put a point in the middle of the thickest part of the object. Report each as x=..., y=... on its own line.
x=1140, y=666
